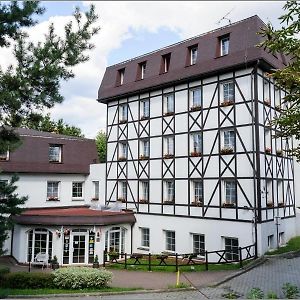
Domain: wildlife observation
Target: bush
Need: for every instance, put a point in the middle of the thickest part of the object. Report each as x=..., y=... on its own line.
x=4, y=270
x=26, y=280
x=290, y=291
x=255, y=293
x=81, y=277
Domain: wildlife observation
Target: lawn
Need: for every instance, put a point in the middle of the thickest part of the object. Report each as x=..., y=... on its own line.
x=171, y=266
x=292, y=245
x=10, y=292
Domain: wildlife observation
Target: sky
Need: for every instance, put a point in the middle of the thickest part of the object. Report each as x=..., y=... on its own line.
x=129, y=29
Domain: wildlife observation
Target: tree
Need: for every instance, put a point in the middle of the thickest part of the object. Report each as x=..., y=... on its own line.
x=285, y=40
x=44, y=123
x=33, y=83
x=9, y=205
x=101, y=140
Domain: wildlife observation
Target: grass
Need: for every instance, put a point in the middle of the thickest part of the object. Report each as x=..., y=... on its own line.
x=182, y=267
x=11, y=292
x=292, y=245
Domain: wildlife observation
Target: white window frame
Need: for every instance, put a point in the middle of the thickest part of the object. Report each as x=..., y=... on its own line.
x=145, y=108
x=195, y=97
x=166, y=62
x=232, y=251
x=143, y=70
x=196, y=142
x=144, y=190
x=169, y=103
x=269, y=191
x=52, y=195
x=169, y=190
x=123, y=150
x=228, y=91
x=76, y=186
x=224, y=45
x=145, y=147
x=193, y=55
x=197, y=188
x=170, y=237
x=121, y=74
x=229, y=139
x=4, y=156
x=145, y=237
x=201, y=247
x=96, y=185
x=122, y=190
x=271, y=244
x=52, y=155
x=169, y=145
x=230, y=192
x=123, y=111
x=280, y=195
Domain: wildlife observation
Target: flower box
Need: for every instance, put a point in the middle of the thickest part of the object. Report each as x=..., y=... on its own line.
x=123, y=200
x=95, y=199
x=168, y=156
x=195, y=108
x=143, y=118
x=226, y=150
x=270, y=204
x=267, y=102
x=280, y=204
x=278, y=107
x=279, y=152
x=268, y=151
x=169, y=202
x=123, y=121
x=227, y=102
x=168, y=114
x=143, y=201
x=197, y=203
x=121, y=158
x=196, y=154
x=53, y=199
x=226, y=204
x=144, y=157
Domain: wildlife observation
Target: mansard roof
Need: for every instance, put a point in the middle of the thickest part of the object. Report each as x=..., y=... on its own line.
x=243, y=52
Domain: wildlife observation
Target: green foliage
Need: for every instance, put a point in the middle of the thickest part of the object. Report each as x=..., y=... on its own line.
x=96, y=259
x=101, y=140
x=4, y=270
x=255, y=293
x=290, y=291
x=44, y=123
x=181, y=285
x=271, y=295
x=230, y=295
x=292, y=245
x=83, y=277
x=285, y=40
x=10, y=205
x=26, y=280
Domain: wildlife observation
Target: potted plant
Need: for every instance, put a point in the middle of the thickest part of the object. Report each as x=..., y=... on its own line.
x=267, y=102
x=279, y=152
x=195, y=108
x=198, y=202
x=113, y=255
x=168, y=201
x=196, y=154
x=121, y=158
x=121, y=199
x=270, y=204
x=143, y=201
x=96, y=262
x=168, y=156
x=268, y=150
x=280, y=204
x=143, y=157
x=226, y=150
x=54, y=263
x=227, y=204
x=123, y=121
x=170, y=113
x=227, y=102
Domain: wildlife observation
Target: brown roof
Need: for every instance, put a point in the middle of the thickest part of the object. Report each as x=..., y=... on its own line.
x=242, y=52
x=73, y=216
x=33, y=155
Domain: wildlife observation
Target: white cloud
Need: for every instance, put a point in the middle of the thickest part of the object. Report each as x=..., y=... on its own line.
x=118, y=21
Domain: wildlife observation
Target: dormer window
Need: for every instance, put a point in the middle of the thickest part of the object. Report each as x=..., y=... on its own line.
x=55, y=153
x=193, y=55
x=142, y=70
x=165, y=63
x=120, y=79
x=224, y=45
x=4, y=155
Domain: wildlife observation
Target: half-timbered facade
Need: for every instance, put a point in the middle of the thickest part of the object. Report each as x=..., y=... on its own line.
x=191, y=147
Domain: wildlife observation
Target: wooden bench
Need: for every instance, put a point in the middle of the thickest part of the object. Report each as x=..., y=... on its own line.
x=41, y=259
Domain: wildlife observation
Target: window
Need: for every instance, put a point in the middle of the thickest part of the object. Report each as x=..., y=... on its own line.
x=144, y=191
x=280, y=191
x=145, y=149
x=96, y=190
x=230, y=192
x=145, y=237
x=77, y=190
x=228, y=92
x=120, y=78
x=271, y=241
x=170, y=240
x=53, y=190
x=123, y=113
x=198, y=244
x=232, y=249
x=269, y=192
x=142, y=70
x=169, y=191
x=122, y=151
x=281, y=239
x=168, y=146
x=169, y=104
x=229, y=139
x=198, y=191
x=195, y=98
x=196, y=144
x=4, y=155
x=3, y=196
x=193, y=55
x=224, y=45
x=145, y=109
x=165, y=63
x=122, y=191
x=55, y=153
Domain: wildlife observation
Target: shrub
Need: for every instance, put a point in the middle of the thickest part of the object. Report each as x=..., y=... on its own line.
x=81, y=277
x=272, y=295
x=4, y=270
x=25, y=280
x=255, y=293
x=290, y=291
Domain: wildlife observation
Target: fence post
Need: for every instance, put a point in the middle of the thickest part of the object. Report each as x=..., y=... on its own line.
x=125, y=260
x=240, y=257
x=104, y=257
x=29, y=266
x=149, y=262
x=206, y=261
x=176, y=259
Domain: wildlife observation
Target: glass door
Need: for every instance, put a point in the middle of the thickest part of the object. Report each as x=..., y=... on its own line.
x=79, y=249
x=114, y=240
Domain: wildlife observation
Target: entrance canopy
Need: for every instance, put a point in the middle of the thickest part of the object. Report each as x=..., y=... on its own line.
x=73, y=216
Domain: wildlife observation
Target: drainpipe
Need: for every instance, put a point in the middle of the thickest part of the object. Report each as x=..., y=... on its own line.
x=12, y=240
x=131, y=239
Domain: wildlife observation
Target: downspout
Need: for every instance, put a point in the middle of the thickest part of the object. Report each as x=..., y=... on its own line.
x=131, y=241
x=12, y=240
